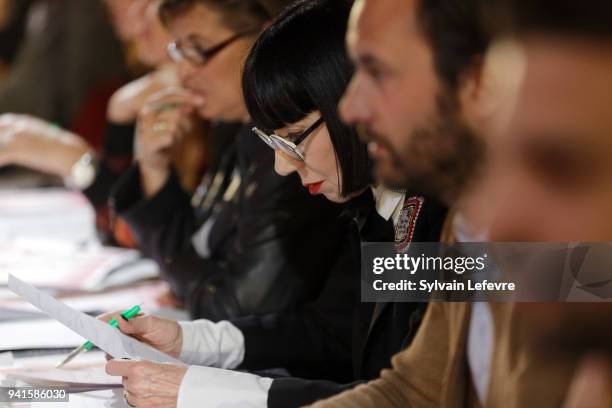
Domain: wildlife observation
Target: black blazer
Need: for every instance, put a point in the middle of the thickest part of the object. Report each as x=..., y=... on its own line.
x=265, y=232
x=337, y=342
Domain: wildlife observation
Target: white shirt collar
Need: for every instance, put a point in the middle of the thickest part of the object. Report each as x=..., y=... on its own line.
x=388, y=202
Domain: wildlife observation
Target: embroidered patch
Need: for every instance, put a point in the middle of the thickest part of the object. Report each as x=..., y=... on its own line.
x=407, y=220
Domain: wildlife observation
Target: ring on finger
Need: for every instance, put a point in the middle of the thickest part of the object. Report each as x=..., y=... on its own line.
x=126, y=394
x=160, y=127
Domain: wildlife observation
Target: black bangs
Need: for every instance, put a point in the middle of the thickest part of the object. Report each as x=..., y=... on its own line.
x=298, y=65
x=273, y=94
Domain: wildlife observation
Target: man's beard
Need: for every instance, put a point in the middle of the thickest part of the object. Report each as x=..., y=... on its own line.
x=439, y=159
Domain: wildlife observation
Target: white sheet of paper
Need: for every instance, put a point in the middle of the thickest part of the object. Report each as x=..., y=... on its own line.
x=107, y=338
x=88, y=369
x=46, y=213
x=85, y=373
x=7, y=359
x=112, y=398
x=116, y=299
x=26, y=334
x=47, y=263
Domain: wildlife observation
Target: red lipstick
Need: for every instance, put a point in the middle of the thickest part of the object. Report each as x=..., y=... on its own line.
x=313, y=188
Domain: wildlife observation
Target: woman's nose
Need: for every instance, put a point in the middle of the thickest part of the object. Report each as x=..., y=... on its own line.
x=285, y=165
x=186, y=70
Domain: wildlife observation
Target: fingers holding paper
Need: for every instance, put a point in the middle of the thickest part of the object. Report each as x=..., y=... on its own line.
x=148, y=384
x=163, y=334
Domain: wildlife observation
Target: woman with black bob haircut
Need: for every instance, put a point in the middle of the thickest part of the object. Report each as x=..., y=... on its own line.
x=294, y=78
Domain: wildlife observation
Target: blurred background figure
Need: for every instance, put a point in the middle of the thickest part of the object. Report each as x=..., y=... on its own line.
x=552, y=174
x=244, y=242
x=93, y=156
x=69, y=52
x=12, y=29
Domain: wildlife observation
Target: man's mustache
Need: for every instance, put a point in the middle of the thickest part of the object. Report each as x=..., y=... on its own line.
x=367, y=135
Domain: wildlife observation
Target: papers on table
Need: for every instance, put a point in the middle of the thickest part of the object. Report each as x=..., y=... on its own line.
x=48, y=238
x=90, y=303
x=6, y=359
x=51, y=213
x=107, y=338
x=32, y=334
x=50, y=264
x=85, y=374
x=112, y=398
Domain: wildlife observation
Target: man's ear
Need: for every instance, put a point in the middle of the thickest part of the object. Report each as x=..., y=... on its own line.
x=502, y=73
x=489, y=88
x=472, y=90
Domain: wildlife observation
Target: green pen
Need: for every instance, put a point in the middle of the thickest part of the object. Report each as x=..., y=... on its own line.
x=88, y=345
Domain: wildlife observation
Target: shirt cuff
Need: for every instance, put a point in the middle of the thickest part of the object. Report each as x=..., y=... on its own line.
x=212, y=344
x=222, y=388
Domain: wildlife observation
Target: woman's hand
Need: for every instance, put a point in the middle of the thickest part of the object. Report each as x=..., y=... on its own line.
x=128, y=101
x=148, y=384
x=30, y=142
x=162, y=334
x=163, y=123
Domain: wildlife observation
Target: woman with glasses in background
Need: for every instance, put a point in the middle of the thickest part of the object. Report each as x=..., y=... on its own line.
x=248, y=241
x=334, y=342
x=42, y=146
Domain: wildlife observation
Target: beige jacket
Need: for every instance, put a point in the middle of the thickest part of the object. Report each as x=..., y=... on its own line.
x=433, y=371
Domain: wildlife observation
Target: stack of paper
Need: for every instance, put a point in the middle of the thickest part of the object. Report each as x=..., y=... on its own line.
x=50, y=264
x=46, y=213
x=84, y=374
x=91, y=303
x=33, y=334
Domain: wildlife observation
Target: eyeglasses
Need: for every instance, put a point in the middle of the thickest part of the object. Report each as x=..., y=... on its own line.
x=287, y=147
x=190, y=51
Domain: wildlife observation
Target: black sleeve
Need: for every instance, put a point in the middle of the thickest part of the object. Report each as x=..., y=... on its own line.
x=13, y=32
x=276, y=258
x=163, y=226
x=113, y=160
x=297, y=392
x=283, y=247
x=313, y=341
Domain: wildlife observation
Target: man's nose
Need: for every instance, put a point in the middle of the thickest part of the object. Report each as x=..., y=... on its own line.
x=355, y=104
x=285, y=165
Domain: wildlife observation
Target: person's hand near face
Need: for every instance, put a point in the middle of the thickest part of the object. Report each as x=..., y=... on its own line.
x=127, y=102
x=23, y=138
x=163, y=123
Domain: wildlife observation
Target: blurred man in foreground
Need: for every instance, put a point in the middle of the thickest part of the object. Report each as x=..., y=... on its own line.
x=553, y=164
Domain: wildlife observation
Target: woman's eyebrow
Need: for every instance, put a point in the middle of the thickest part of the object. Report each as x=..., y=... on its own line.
x=294, y=134
x=197, y=40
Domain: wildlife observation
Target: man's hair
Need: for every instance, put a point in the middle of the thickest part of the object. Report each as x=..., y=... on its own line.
x=455, y=32
x=590, y=19
x=238, y=15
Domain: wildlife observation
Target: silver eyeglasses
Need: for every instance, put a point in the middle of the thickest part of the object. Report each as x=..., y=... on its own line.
x=290, y=148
